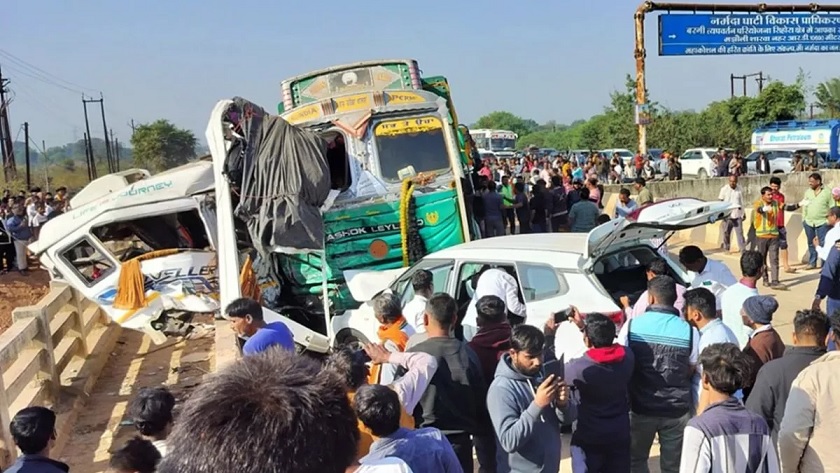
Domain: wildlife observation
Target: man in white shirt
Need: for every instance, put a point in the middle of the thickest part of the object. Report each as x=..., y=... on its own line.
x=732, y=299
x=833, y=235
x=708, y=273
x=424, y=286
x=568, y=337
x=493, y=282
x=657, y=267
x=732, y=194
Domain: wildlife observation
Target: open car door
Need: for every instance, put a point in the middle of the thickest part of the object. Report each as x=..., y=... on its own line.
x=653, y=221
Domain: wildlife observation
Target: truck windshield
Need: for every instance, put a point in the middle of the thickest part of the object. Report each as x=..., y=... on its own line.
x=499, y=144
x=426, y=151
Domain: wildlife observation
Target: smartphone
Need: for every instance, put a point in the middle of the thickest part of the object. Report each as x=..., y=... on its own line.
x=563, y=315
x=555, y=367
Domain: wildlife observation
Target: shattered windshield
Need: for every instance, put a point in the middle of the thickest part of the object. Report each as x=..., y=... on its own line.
x=415, y=142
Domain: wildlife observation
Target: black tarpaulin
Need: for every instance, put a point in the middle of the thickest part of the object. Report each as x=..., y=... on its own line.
x=282, y=178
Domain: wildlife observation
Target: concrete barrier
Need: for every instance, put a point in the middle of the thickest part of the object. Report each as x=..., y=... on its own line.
x=794, y=186
x=51, y=356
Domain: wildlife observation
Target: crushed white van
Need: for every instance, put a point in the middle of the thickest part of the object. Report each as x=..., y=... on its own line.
x=133, y=214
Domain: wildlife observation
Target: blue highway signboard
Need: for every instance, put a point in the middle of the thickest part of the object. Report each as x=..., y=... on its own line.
x=748, y=33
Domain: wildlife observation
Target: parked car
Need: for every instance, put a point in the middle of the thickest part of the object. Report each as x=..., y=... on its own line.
x=784, y=157
x=697, y=162
x=625, y=154
x=554, y=270
x=781, y=160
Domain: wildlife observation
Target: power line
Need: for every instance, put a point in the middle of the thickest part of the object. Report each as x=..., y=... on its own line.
x=37, y=69
x=41, y=79
x=30, y=97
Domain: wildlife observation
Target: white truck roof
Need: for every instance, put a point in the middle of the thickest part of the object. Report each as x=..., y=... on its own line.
x=183, y=181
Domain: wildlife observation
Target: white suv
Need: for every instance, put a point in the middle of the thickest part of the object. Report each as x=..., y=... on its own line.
x=697, y=162
x=554, y=270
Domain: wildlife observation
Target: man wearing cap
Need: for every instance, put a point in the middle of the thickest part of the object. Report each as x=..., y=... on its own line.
x=765, y=343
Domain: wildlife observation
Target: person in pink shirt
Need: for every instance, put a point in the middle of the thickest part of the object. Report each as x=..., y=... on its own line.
x=657, y=267
x=594, y=191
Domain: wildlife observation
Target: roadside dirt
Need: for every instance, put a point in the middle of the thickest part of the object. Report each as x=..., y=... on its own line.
x=17, y=290
x=104, y=426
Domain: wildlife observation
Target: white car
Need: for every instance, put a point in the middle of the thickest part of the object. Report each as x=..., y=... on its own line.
x=781, y=160
x=697, y=162
x=554, y=270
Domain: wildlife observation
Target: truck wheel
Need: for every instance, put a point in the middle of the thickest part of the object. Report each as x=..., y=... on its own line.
x=350, y=338
x=702, y=174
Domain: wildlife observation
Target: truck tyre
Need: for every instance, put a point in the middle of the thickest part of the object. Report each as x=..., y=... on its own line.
x=350, y=338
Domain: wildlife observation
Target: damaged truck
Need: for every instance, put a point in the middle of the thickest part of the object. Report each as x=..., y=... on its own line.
x=364, y=169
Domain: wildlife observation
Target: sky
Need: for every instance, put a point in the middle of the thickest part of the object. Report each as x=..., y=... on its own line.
x=545, y=60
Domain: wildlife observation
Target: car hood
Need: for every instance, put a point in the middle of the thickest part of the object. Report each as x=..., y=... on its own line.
x=653, y=221
x=365, y=285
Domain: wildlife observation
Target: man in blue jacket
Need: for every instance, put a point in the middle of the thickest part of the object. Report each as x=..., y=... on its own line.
x=829, y=287
x=601, y=442
x=527, y=411
x=665, y=348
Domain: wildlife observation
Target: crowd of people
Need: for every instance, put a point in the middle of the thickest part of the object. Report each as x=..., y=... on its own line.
x=21, y=218
x=538, y=195
x=703, y=370
x=767, y=231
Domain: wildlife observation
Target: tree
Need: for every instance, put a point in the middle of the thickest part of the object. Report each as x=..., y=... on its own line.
x=161, y=145
x=506, y=121
x=69, y=165
x=828, y=96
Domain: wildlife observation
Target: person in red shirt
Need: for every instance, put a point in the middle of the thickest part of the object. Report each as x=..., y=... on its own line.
x=779, y=198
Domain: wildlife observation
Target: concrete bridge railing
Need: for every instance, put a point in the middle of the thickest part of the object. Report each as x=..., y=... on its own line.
x=51, y=356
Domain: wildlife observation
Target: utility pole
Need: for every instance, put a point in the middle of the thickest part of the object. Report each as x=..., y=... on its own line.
x=101, y=103
x=117, y=151
x=88, y=146
x=108, y=153
x=7, y=147
x=89, y=160
x=26, y=153
x=114, y=153
x=46, y=165
x=759, y=78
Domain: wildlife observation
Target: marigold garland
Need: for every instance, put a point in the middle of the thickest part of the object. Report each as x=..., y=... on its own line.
x=405, y=197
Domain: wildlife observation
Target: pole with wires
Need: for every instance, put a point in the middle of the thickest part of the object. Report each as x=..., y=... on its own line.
x=7, y=147
x=26, y=153
x=46, y=165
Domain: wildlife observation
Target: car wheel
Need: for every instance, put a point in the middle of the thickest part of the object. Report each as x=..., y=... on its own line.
x=701, y=174
x=350, y=338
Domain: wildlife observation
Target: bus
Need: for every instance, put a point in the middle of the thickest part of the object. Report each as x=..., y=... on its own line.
x=820, y=135
x=400, y=167
x=501, y=143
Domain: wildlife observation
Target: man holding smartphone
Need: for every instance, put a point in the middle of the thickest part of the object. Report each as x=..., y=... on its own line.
x=527, y=409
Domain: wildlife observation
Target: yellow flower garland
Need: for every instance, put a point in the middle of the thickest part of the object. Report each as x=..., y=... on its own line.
x=405, y=197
